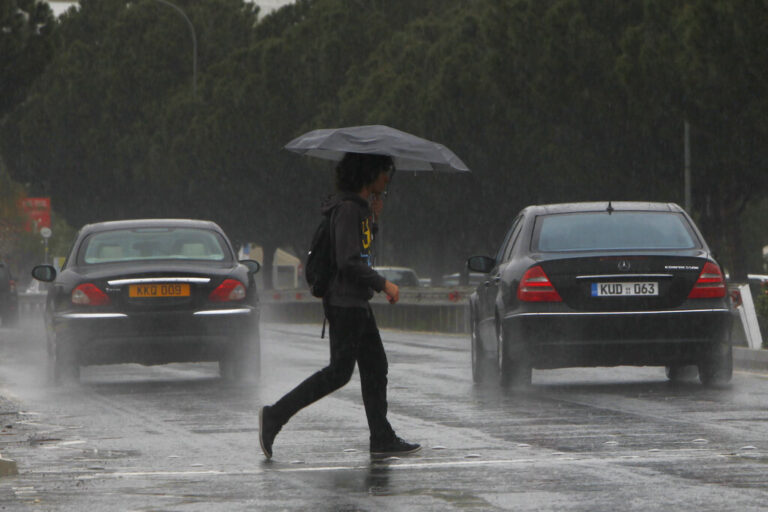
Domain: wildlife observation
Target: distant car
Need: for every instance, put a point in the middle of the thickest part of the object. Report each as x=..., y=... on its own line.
x=401, y=276
x=152, y=292
x=9, y=300
x=601, y=284
x=454, y=279
x=36, y=287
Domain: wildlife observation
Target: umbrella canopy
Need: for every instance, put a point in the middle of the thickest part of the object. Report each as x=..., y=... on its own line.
x=409, y=152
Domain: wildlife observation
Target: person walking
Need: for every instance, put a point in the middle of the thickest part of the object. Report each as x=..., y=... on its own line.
x=354, y=336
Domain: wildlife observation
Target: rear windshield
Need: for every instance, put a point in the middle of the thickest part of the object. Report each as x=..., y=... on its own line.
x=590, y=231
x=154, y=244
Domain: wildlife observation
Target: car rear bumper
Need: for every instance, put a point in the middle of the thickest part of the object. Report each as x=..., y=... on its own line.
x=152, y=337
x=560, y=339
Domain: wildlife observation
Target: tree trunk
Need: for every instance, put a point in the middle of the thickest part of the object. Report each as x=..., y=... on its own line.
x=269, y=263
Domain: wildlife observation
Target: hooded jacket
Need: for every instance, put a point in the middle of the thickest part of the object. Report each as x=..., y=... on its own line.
x=352, y=239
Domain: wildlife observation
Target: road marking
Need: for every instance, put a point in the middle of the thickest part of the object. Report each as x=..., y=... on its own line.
x=695, y=453
x=141, y=474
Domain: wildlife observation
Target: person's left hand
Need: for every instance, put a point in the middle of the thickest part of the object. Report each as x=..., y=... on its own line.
x=377, y=204
x=392, y=291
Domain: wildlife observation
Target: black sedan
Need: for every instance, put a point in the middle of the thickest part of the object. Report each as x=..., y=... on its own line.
x=152, y=292
x=601, y=284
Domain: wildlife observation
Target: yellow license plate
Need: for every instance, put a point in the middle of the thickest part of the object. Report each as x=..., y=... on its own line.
x=154, y=290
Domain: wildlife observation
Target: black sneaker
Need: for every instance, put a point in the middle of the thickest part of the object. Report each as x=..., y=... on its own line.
x=268, y=429
x=396, y=446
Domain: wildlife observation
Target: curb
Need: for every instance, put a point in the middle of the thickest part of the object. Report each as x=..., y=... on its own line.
x=750, y=359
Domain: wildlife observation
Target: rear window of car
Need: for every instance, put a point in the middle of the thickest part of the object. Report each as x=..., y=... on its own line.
x=591, y=231
x=153, y=244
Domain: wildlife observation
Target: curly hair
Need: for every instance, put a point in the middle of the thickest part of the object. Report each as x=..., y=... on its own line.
x=356, y=170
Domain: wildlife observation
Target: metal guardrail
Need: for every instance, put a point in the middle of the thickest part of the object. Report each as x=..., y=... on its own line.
x=419, y=309
x=31, y=304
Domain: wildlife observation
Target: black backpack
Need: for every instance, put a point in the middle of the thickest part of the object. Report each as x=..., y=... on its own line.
x=320, y=268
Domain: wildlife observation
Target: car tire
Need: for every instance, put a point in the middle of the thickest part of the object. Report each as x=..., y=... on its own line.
x=515, y=371
x=10, y=319
x=483, y=367
x=716, y=365
x=242, y=360
x=681, y=373
x=64, y=360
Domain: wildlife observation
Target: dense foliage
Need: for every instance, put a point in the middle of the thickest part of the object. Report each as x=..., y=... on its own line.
x=545, y=100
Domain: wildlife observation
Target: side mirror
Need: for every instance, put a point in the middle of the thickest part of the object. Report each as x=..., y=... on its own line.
x=45, y=273
x=253, y=265
x=482, y=264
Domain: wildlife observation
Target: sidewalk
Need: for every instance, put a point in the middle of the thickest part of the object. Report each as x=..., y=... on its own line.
x=8, y=417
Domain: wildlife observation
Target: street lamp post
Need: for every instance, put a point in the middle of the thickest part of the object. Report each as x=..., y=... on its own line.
x=194, y=43
x=687, y=166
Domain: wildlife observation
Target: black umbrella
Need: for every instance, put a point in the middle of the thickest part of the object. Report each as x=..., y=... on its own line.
x=409, y=152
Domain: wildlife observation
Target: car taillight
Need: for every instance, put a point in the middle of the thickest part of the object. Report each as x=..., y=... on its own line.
x=710, y=284
x=90, y=295
x=230, y=289
x=536, y=287
x=13, y=286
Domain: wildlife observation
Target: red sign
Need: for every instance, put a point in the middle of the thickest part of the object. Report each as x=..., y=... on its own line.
x=36, y=211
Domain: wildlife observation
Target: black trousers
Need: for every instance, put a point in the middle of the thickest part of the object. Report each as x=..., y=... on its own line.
x=354, y=338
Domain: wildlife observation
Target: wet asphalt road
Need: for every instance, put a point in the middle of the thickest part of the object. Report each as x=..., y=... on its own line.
x=178, y=438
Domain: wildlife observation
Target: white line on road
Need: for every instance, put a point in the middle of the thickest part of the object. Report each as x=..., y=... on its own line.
x=559, y=459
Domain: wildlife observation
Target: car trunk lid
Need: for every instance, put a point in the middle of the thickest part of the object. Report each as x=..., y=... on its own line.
x=156, y=287
x=624, y=281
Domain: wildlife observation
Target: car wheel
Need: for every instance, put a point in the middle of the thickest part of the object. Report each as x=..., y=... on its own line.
x=10, y=319
x=483, y=367
x=242, y=361
x=515, y=369
x=681, y=373
x=63, y=358
x=716, y=366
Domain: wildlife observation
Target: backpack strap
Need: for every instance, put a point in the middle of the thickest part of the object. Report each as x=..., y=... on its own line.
x=331, y=233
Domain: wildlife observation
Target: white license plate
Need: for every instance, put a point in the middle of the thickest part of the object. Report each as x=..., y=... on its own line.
x=640, y=289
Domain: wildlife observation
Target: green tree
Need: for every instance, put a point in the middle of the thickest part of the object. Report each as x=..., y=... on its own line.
x=702, y=61
x=526, y=93
x=267, y=94
x=546, y=100
x=27, y=38
x=104, y=101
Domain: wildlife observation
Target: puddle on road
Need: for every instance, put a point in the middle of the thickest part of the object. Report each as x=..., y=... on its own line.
x=42, y=439
x=96, y=454
x=245, y=430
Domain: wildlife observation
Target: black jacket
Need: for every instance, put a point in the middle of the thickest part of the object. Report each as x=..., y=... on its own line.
x=352, y=239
